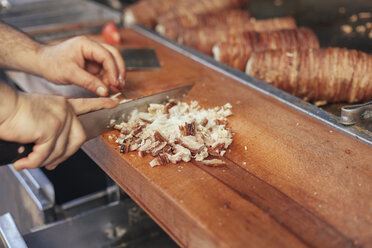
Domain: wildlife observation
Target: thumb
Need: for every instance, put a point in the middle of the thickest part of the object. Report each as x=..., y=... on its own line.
x=88, y=81
x=85, y=105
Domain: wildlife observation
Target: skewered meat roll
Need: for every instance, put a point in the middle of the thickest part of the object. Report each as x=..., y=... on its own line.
x=204, y=38
x=147, y=12
x=169, y=26
x=238, y=47
x=186, y=7
x=318, y=75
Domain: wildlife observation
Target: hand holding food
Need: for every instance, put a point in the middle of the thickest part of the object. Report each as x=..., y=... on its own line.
x=83, y=62
x=80, y=61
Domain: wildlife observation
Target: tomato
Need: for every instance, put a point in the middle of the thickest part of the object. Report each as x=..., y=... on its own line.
x=111, y=34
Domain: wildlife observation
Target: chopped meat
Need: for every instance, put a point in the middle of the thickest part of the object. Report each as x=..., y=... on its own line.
x=144, y=120
x=202, y=154
x=161, y=159
x=190, y=143
x=157, y=149
x=214, y=162
x=176, y=131
x=141, y=153
x=188, y=129
x=220, y=122
x=181, y=153
x=159, y=137
x=215, y=151
x=204, y=122
x=124, y=148
x=169, y=106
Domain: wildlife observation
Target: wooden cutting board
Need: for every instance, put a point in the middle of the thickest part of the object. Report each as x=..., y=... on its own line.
x=290, y=180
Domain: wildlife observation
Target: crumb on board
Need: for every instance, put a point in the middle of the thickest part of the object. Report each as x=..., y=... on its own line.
x=347, y=29
x=125, y=100
x=112, y=136
x=115, y=97
x=368, y=25
x=370, y=35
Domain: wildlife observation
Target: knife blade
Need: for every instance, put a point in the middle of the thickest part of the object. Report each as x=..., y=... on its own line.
x=97, y=122
x=140, y=59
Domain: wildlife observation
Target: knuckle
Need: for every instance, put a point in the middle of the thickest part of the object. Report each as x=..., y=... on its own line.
x=89, y=83
x=55, y=124
x=81, y=38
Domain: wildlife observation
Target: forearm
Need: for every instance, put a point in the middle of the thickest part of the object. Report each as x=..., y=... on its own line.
x=8, y=101
x=18, y=51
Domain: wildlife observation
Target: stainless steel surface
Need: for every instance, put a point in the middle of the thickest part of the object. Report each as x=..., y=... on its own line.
x=356, y=131
x=87, y=203
x=28, y=196
x=9, y=234
x=90, y=229
x=353, y=114
x=45, y=18
x=98, y=122
x=107, y=226
x=140, y=59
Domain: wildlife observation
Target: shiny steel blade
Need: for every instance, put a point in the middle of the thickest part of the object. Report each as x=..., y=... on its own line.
x=98, y=122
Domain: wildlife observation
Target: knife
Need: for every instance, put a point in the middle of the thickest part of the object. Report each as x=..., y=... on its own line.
x=97, y=122
x=140, y=59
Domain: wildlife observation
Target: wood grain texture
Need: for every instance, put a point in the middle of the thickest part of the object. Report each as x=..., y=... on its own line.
x=299, y=183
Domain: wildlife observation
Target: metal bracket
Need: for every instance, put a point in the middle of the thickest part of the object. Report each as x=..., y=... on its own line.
x=10, y=236
x=353, y=114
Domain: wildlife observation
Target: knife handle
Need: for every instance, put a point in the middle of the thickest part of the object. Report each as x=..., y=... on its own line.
x=11, y=151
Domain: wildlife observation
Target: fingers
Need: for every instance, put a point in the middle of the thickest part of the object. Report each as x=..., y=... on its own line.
x=93, y=51
x=88, y=81
x=85, y=105
x=119, y=62
x=76, y=138
x=39, y=153
x=62, y=140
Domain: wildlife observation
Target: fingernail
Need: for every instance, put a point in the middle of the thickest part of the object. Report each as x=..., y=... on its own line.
x=101, y=91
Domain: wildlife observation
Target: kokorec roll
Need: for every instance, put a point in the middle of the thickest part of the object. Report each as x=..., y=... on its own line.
x=204, y=38
x=169, y=27
x=317, y=75
x=237, y=48
x=148, y=12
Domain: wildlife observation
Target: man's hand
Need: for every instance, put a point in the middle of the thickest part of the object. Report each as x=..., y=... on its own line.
x=80, y=61
x=51, y=123
x=83, y=62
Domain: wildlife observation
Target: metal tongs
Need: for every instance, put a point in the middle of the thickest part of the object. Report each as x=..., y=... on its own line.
x=353, y=114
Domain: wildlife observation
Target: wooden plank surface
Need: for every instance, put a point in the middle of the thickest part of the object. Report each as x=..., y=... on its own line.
x=299, y=183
